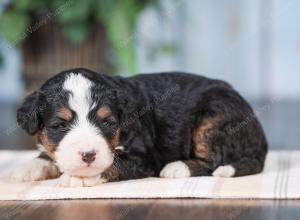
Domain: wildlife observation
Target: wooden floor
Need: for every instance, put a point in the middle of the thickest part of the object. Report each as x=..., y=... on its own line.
x=165, y=209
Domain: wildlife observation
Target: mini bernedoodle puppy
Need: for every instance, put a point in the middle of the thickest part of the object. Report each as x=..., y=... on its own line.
x=93, y=128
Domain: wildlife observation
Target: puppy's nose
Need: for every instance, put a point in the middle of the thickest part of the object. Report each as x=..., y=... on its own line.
x=88, y=157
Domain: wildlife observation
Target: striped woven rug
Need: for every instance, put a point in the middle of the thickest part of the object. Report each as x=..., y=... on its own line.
x=280, y=180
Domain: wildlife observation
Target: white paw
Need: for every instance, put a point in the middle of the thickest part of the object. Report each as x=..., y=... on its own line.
x=177, y=169
x=34, y=170
x=224, y=171
x=74, y=181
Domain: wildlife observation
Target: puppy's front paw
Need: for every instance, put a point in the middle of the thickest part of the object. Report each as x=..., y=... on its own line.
x=34, y=170
x=177, y=169
x=73, y=181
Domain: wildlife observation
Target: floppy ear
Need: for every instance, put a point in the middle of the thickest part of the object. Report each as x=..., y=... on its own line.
x=29, y=115
x=127, y=108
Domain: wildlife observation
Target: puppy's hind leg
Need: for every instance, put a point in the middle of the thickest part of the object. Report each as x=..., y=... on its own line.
x=243, y=167
x=186, y=168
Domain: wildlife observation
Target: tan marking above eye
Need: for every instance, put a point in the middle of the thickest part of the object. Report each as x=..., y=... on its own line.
x=65, y=113
x=103, y=112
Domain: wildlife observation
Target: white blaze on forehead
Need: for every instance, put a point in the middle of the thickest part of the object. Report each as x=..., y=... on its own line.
x=80, y=100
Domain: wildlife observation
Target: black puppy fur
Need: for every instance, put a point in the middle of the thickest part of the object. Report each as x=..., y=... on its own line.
x=162, y=117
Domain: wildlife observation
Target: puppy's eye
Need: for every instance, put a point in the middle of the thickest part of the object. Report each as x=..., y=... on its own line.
x=58, y=125
x=108, y=121
x=105, y=123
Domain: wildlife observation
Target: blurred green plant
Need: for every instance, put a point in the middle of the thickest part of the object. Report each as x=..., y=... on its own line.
x=1, y=61
x=76, y=17
x=166, y=48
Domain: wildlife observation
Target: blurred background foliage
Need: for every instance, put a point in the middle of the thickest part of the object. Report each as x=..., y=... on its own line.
x=1, y=60
x=76, y=18
x=252, y=44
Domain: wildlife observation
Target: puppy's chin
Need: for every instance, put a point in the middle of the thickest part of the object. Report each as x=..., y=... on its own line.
x=84, y=172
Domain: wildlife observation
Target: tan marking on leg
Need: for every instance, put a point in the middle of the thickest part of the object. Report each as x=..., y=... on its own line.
x=201, y=136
